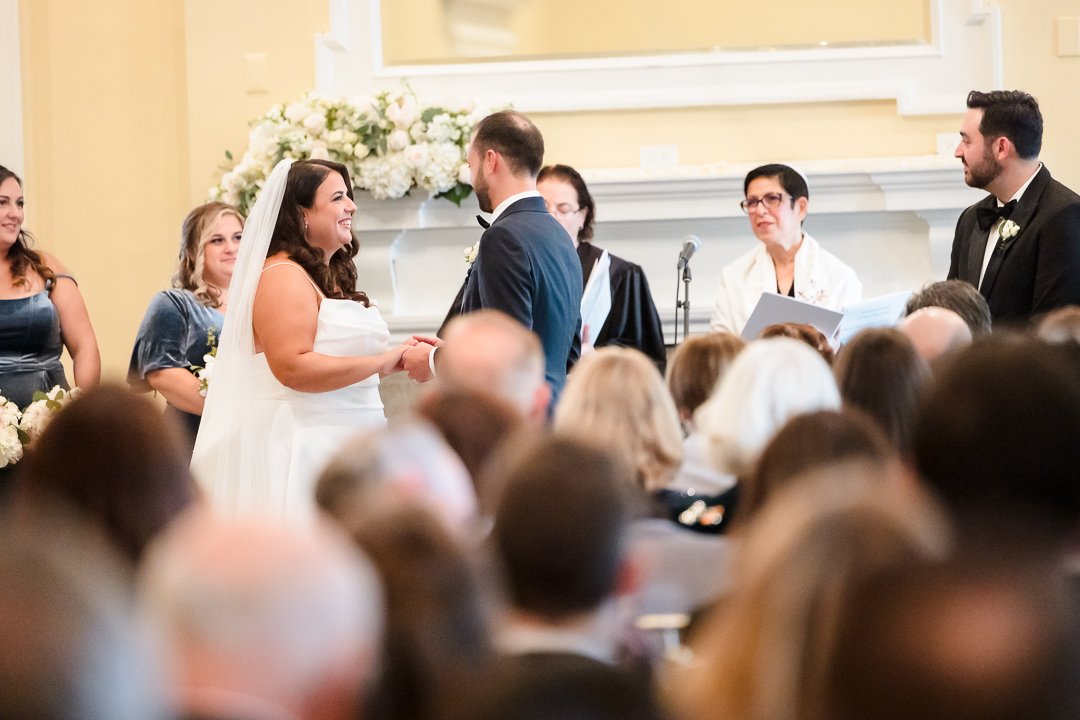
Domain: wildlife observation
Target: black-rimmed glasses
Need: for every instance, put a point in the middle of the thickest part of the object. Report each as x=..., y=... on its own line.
x=770, y=200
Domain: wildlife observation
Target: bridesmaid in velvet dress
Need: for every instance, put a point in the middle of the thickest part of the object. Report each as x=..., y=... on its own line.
x=41, y=311
x=175, y=332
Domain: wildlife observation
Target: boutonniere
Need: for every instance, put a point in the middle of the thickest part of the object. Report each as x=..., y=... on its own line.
x=470, y=253
x=1007, y=232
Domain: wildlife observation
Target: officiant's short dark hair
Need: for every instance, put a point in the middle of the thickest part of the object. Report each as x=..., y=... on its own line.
x=513, y=136
x=1013, y=114
x=790, y=179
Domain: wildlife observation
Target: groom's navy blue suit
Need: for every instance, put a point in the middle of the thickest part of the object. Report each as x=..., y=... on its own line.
x=527, y=267
x=1040, y=266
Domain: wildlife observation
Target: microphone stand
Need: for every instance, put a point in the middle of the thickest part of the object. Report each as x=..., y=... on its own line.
x=684, y=304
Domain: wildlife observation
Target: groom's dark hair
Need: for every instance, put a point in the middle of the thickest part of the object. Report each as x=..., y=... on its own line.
x=513, y=136
x=1013, y=114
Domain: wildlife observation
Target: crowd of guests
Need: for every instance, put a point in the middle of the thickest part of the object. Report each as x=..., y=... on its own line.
x=776, y=528
x=886, y=536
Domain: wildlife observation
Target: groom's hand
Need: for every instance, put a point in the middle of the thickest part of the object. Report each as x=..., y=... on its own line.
x=416, y=361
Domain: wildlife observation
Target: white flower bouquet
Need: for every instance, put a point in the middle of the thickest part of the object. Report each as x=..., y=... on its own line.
x=204, y=371
x=11, y=446
x=391, y=143
x=19, y=428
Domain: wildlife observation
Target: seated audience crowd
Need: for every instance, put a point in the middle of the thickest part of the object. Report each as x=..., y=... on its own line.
x=879, y=542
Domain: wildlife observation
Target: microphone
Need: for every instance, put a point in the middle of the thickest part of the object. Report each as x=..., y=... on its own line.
x=691, y=244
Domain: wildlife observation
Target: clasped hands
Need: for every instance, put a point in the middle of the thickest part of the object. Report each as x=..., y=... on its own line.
x=415, y=357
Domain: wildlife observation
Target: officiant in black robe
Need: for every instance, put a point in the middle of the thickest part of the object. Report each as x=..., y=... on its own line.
x=632, y=320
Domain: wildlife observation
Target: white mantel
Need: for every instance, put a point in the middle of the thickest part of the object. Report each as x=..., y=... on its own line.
x=891, y=219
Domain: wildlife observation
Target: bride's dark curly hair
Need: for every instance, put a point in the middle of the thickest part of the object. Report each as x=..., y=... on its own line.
x=338, y=278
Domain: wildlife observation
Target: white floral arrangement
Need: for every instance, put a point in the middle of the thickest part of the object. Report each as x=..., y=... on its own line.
x=470, y=253
x=390, y=143
x=19, y=428
x=206, y=370
x=11, y=447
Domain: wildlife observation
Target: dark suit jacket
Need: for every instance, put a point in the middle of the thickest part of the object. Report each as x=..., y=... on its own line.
x=527, y=268
x=633, y=320
x=1040, y=269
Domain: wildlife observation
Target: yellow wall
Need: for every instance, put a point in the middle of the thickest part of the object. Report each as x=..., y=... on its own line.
x=107, y=163
x=129, y=106
x=219, y=34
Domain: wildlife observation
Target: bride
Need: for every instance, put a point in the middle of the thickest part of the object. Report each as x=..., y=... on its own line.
x=301, y=352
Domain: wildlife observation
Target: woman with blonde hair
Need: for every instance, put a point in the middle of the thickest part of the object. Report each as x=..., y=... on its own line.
x=617, y=398
x=182, y=325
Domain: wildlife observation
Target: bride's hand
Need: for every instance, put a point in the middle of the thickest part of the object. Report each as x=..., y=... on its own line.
x=391, y=360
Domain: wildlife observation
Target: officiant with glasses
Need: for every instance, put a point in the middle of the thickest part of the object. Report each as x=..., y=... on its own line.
x=617, y=307
x=788, y=261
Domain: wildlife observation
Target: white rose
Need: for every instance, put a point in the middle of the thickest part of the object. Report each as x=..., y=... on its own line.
x=295, y=112
x=315, y=123
x=360, y=151
x=417, y=155
x=1009, y=229
x=398, y=140
x=319, y=151
x=403, y=113
x=35, y=418
x=11, y=450
x=464, y=175
x=9, y=412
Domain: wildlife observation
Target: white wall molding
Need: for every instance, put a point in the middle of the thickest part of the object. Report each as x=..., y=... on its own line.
x=891, y=219
x=12, y=154
x=964, y=53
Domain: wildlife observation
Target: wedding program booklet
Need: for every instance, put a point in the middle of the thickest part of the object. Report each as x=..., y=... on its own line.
x=772, y=308
x=596, y=299
x=882, y=311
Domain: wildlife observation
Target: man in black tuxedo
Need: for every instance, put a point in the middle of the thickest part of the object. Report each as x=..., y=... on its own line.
x=526, y=265
x=1021, y=245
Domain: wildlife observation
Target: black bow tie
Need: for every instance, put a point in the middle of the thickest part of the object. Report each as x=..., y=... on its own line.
x=986, y=217
x=483, y=223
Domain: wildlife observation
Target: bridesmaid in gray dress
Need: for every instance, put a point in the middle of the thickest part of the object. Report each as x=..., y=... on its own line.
x=41, y=311
x=182, y=325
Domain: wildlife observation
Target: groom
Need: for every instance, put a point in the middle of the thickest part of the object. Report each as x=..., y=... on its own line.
x=1021, y=245
x=526, y=265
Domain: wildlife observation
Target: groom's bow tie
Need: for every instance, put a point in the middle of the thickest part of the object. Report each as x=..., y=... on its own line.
x=986, y=217
x=483, y=223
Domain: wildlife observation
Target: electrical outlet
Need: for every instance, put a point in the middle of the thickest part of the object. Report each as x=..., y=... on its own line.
x=659, y=157
x=946, y=144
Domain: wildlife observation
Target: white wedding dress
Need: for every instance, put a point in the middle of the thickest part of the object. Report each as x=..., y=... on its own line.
x=302, y=431
x=293, y=435
x=261, y=446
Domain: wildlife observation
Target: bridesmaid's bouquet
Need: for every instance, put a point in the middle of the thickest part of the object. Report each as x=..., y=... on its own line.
x=204, y=371
x=19, y=428
x=11, y=447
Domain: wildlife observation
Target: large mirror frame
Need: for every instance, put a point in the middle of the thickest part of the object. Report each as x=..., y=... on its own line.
x=964, y=52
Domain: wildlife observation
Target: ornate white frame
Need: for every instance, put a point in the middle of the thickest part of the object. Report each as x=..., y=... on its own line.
x=11, y=119
x=964, y=52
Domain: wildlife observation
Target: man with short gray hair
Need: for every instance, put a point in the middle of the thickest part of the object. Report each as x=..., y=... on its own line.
x=263, y=620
